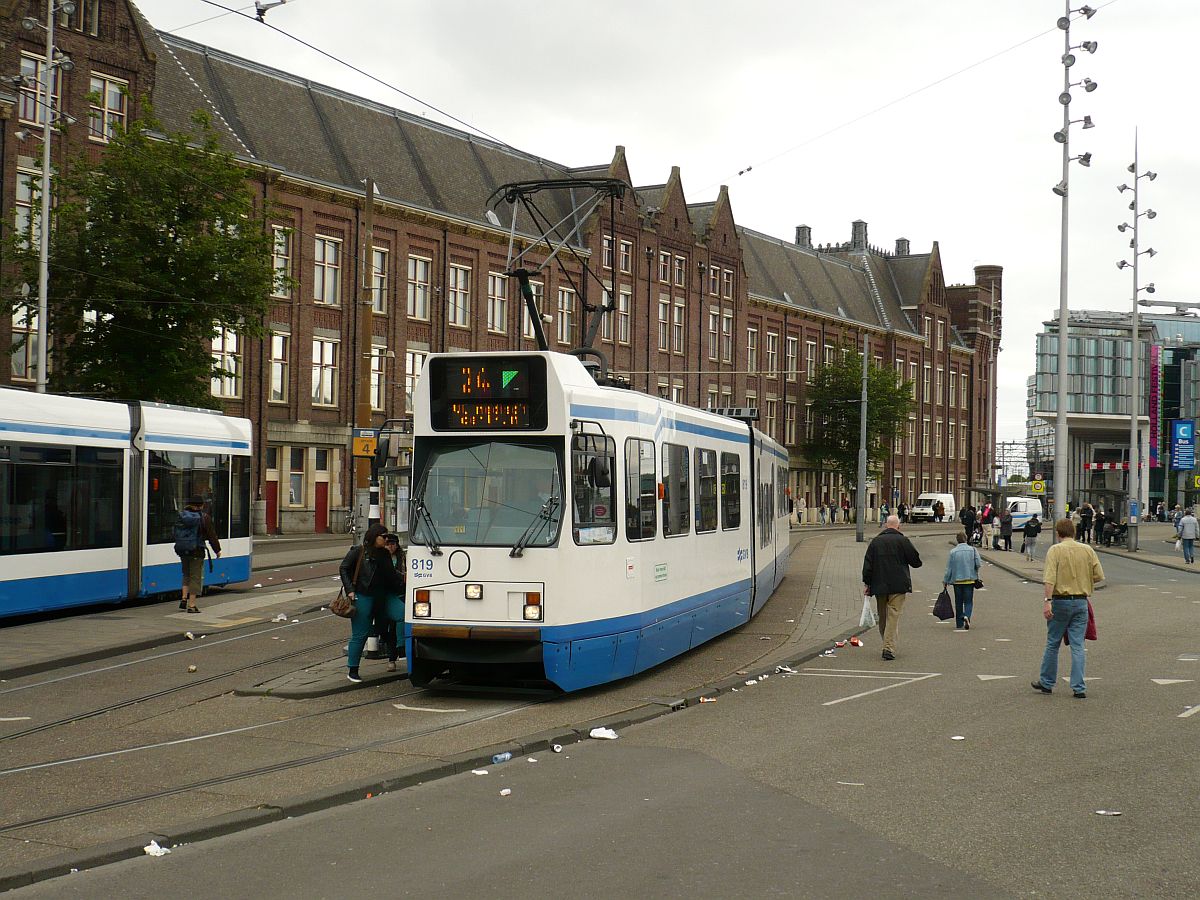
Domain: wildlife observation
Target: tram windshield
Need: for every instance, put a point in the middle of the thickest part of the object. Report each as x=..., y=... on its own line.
x=489, y=493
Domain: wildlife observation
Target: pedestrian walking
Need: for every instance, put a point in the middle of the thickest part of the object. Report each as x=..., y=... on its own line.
x=988, y=518
x=884, y=512
x=967, y=518
x=1189, y=530
x=1032, y=529
x=1069, y=579
x=1086, y=516
x=1006, y=527
x=962, y=571
x=939, y=511
x=393, y=610
x=821, y=512
x=845, y=509
x=886, y=575
x=902, y=509
x=368, y=577
x=193, y=529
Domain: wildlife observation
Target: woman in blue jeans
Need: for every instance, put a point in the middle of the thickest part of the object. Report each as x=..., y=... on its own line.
x=368, y=577
x=962, y=569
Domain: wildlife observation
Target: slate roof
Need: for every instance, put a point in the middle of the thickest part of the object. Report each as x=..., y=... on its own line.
x=701, y=214
x=818, y=281
x=328, y=136
x=909, y=274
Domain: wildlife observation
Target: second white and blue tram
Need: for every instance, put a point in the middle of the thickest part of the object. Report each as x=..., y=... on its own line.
x=90, y=491
x=569, y=533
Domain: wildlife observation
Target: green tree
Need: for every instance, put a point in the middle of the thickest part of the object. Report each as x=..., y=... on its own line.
x=157, y=248
x=835, y=395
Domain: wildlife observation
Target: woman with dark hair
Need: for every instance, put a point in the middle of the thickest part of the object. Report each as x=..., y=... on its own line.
x=368, y=577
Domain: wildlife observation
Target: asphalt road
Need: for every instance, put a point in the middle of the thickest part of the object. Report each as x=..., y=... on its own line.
x=845, y=780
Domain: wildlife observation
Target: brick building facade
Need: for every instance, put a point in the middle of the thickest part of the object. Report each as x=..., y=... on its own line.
x=706, y=311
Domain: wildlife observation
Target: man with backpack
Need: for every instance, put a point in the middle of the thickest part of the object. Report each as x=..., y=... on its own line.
x=192, y=529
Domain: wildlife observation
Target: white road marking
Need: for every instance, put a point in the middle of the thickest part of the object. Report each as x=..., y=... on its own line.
x=1172, y=680
x=904, y=678
x=1190, y=712
x=15, y=719
x=1004, y=640
x=993, y=677
x=1067, y=679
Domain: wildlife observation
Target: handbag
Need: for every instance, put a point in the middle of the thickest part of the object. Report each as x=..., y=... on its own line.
x=943, y=608
x=978, y=583
x=342, y=605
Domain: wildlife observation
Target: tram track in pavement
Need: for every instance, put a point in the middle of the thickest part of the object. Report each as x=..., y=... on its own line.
x=283, y=766
x=166, y=692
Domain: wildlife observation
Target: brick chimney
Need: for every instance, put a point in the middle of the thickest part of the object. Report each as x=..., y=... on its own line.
x=804, y=237
x=859, y=239
x=902, y=247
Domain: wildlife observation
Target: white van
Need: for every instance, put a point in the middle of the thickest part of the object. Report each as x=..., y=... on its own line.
x=1023, y=509
x=922, y=510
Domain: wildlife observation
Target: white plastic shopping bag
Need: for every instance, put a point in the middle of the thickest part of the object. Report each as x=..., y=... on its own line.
x=868, y=614
x=1179, y=544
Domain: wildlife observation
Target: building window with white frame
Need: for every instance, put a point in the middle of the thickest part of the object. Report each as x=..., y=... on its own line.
x=751, y=400
x=789, y=423
x=712, y=396
x=727, y=336
x=419, y=269
x=664, y=266
x=925, y=437
x=769, y=407
x=227, y=368
x=714, y=328
x=941, y=335
x=33, y=106
x=677, y=393
x=680, y=271
x=664, y=323
x=962, y=384
x=296, y=469
x=828, y=356
x=379, y=279
x=752, y=351
x=927, y=384
x=714, y=281
x=24, y=355
x=727, y=284
x=378, y=376
x=939, y=396
x=910, y=434
x=810, y=361
x=324, y=372
x=726, y=398
x=962, y=442
x=606, y=320
x=952, y=398
x=792, y=350
x=327, y=270
x=937, y=438
x=109, y=109
x=606, y=251
x=497, y=303
x=539, y=292
x=951, y=443
x=458, y=296
x=414, y=362
x=27, y=207
x=281, y=261
x=914, y=381
x=626, y=258
x=808, y=421
x=678, y=326
x=280, y=366
x=772, y=350
x=624, y=313
x=928, y=332
x=566, y=315
x=85, y=18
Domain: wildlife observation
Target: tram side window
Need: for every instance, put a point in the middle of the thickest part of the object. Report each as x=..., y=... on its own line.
x=60, y=498
x=706, y=490
x=677, y=512
x=641, y=491
x=731, y=491
x=593, y=465
x=173, y=479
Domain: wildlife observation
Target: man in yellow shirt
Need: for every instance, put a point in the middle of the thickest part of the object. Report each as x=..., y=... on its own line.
x=1072, y=570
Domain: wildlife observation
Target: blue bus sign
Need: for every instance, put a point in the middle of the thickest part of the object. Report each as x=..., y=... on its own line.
x=1183, y=444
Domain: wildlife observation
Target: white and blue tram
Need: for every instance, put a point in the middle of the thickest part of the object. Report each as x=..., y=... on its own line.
x=569, y=533
x=90, y=491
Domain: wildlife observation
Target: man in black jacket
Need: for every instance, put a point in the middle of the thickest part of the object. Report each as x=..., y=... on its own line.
x=885, y=574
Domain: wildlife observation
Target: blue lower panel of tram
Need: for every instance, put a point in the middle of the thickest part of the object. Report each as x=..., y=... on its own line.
x=50, y=592
x=167, y=577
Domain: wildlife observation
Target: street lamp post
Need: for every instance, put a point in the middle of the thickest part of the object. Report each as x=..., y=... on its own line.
x=1085, y=159
x=53, y=61
x=1134, y=396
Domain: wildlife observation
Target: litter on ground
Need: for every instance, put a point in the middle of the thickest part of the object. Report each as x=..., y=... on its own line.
x=958, y=737
x=751, y=683
x=479, y=771
x=852, y=783
x=189, y=635
x=557, y=748
x=506, y=792
x=282, y=617
x=191, y=669
x=1107, y=812
x=153, y=849
x=784, y=670
x=603, y=734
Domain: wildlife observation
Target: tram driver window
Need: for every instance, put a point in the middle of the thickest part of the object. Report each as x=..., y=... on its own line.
x=593, y=466
x=676, y=506
x=731, y=491
x=641, y=491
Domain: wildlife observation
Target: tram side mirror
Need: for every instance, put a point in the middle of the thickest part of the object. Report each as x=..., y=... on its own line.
x=599, y=472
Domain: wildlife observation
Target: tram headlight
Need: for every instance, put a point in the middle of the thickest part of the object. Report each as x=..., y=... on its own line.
x=533, y=607
x=421, y=606
x=474, y=591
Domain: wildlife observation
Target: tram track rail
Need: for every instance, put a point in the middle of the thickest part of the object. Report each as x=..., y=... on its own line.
x=272, y=768
x=165, y=692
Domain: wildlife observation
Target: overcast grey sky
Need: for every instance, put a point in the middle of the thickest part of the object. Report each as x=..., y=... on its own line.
x=715, y=87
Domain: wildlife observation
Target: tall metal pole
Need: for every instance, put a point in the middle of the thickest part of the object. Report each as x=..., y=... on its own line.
x=46, y=108
x=366, y=471
x=1060, y=423
x=861, y=505
x=1134, y=397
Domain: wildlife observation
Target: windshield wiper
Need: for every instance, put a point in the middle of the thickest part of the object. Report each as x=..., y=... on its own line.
x=424, y=515
x=535, y=527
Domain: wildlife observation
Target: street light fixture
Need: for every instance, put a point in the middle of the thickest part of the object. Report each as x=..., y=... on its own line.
x=1062, y=190
x=1135, y=484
